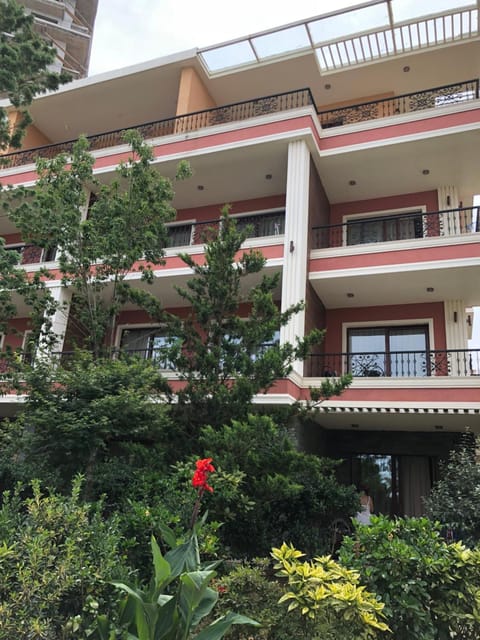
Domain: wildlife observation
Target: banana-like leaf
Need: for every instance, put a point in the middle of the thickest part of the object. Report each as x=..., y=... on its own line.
x=162, y=569
x=219, y=628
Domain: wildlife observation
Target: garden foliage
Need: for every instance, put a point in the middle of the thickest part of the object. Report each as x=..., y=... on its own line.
x=57, y=555
x=330, y=596
x=431, y=589
x=455, y=498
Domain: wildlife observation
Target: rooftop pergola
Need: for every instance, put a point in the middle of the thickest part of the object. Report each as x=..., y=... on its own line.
x=363, y=34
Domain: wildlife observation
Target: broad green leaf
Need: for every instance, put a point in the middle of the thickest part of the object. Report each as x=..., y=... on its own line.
x=220, y=627
x=168, y=535
x=185, y=557
x=162, y=568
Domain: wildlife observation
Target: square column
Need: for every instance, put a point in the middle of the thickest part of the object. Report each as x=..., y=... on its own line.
x=295, y=260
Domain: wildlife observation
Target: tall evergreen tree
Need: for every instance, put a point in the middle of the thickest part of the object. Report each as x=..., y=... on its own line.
x=24, y=60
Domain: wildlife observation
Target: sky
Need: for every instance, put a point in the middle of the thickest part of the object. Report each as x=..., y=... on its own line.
x=128, y=32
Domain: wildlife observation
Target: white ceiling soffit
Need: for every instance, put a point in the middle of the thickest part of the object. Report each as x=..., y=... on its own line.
x=360, y=35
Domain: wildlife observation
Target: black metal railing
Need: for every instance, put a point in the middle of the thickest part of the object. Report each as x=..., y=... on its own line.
x=396, y=364
x=397, y=227
x=406, y=103
x=180, y=124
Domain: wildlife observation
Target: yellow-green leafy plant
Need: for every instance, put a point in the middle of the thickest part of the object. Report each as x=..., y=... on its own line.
x=329, y=596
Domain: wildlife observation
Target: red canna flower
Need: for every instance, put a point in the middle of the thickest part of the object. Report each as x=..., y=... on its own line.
x=200, y=477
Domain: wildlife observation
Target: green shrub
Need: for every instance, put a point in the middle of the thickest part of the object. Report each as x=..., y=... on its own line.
x=252, y=589
x=329, y=597
x=55, y=556
x=430, y=588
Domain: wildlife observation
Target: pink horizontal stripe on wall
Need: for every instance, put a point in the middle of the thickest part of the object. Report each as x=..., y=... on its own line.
x=387, y=258
x=437, y=122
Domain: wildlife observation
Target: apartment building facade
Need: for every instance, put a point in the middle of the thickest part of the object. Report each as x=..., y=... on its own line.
x=350, y=143
x=68, y=25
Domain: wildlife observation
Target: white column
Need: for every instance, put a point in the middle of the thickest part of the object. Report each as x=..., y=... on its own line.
x=295, y=265
x=62, y=296
x=456, y=336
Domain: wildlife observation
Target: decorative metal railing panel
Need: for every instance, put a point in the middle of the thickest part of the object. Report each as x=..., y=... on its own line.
x=396, y=364
x=180, y=124
x=406, y=103
x=392, y=228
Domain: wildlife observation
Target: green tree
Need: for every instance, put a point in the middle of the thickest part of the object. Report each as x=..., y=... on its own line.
x=226, y=351
x=287, y=494
x=101, y=418
x=24, y=61
x=124, y=232
x=455, y=498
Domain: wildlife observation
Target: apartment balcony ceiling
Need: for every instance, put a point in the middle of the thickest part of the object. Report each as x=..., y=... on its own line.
x=402, y=283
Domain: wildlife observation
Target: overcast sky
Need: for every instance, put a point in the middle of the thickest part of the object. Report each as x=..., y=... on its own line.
x=131, y=31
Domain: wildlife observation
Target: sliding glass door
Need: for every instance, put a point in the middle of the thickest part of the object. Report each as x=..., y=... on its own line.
x=388, y=351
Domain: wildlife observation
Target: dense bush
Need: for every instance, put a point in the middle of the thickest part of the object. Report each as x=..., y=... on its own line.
x=56, y=555
x=289, y=495
x=455, y=498
x=252, y=589
x=431, y=589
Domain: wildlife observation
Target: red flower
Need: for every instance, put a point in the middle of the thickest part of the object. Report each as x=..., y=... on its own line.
x=200, y=477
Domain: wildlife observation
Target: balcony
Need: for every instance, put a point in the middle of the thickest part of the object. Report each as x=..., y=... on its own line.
x=258, y=226
x=393, y=228
x=179, y=125
x=407, y=103
x=396, y=364
x=433, y=98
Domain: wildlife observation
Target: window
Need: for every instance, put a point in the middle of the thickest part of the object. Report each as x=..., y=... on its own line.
x=150, y=343
x=268, y=224
x=180, y=235
x=389, y=351
x=385, y=228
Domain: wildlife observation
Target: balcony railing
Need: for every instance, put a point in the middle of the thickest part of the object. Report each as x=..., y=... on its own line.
x=406, y=103
x=396, y=364
x=392, y=228
x=180, y=124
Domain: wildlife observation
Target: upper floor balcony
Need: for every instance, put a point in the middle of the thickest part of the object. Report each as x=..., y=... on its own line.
x=407, y=103
x=181, y=235
x=369, y=229
x=433, y=99
x=396, y=364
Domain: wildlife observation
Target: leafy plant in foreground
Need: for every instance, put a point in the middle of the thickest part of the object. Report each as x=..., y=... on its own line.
x=179, y=594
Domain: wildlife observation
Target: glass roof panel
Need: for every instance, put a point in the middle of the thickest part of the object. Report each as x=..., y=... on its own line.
x=283, y=41
x=348, y=23
x=404, y=10
x=231, y=55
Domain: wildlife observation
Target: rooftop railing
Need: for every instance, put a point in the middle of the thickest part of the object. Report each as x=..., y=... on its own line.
x=396, y=364
x=372, y=229
x=406, y=103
